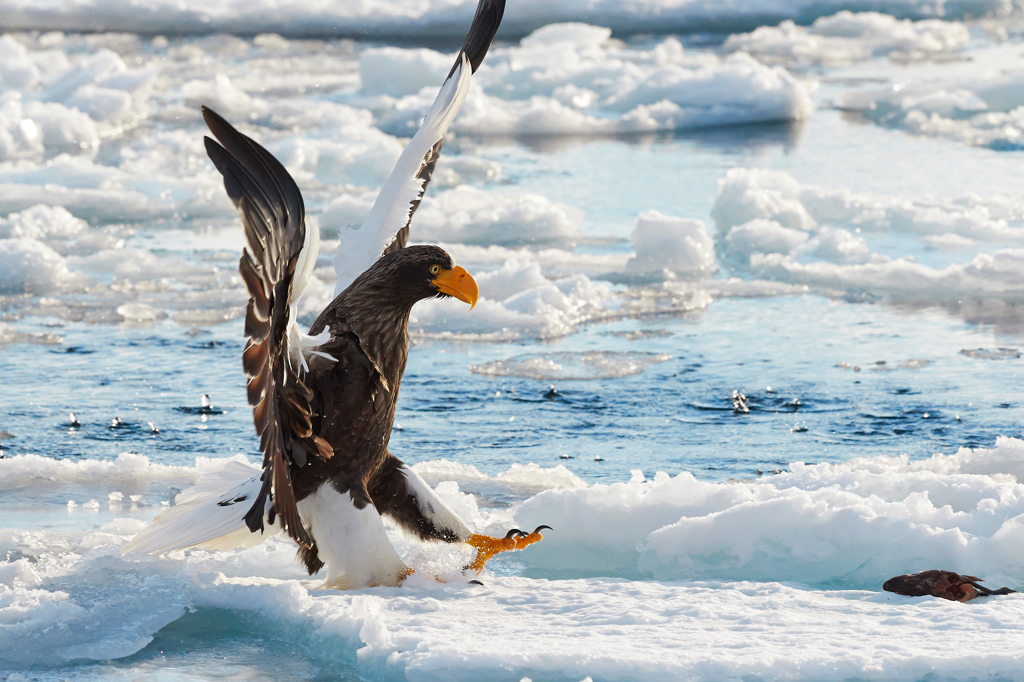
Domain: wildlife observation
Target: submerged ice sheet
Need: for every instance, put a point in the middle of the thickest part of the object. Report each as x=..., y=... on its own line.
x=572, y=366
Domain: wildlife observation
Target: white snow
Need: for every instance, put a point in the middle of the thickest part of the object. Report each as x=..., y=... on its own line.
x=791, y=232
x=984, y=110
x=468, y=215
x=680, y=245
x=51, y=103
x=571, y=79
x=755, y=576
x=848, y=37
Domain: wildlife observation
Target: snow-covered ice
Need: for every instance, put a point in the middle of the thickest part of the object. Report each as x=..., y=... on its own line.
x=738, y=570
x=571, y=79
x=847, y=37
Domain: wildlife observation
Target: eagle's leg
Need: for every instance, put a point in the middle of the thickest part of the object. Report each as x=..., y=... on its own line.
x=487, y=546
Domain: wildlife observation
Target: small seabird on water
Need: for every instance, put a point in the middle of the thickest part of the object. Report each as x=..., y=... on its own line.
x=205, y=401
x=598, y=458
x=74, y=421
x=552, y=393
x=739, y=402
x=153, y=429
x=116, y=423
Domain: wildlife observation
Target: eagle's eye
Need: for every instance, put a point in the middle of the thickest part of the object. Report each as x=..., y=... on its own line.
x=434, y=269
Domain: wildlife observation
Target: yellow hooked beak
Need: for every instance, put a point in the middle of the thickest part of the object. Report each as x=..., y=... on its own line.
x=458, y=283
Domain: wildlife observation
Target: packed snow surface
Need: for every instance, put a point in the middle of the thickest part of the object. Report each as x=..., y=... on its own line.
x=735, y=569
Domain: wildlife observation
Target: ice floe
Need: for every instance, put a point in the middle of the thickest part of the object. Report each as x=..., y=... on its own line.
x=848, y=37
x=982, y=110
x=788, y=555
x=571, y=79
x=789, y=231
x=50, y=103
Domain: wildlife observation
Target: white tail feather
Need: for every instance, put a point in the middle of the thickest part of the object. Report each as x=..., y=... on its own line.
x=209, y=514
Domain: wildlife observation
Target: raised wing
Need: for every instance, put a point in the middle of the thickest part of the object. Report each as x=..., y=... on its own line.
x=275, y=268
x=386, y=229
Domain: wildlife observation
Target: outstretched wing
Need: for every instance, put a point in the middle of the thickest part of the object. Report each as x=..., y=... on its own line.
x=386, y=229
x=275, y=268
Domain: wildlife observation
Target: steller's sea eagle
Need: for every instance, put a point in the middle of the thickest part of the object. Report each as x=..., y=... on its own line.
x=324, y=402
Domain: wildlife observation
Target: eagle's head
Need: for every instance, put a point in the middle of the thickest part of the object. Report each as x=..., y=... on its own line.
x=418, y=272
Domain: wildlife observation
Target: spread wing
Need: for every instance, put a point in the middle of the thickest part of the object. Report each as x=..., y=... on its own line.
x=275, y=267
x=386, y=229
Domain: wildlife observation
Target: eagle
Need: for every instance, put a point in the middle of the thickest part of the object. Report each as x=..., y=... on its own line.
x=324, y=401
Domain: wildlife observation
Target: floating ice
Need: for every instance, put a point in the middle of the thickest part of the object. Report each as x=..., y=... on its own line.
x=847, y=37
x=747, y=194
x=569, y=79
x=679, y=245
x=984, y=110
x=66, y=105
x=468, y=215
x=854, y=524
x=28, y=266
x=572, y=366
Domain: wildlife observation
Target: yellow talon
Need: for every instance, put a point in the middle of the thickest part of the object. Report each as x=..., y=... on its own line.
x=486, y=546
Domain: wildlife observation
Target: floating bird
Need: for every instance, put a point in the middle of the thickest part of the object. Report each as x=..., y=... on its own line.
x=116, y=423
x=739, y=402
x=153, y=429
x=324, y=402
x=204, y=401
x=74, y=421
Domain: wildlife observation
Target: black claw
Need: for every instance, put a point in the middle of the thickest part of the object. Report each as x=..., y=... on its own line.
x=540, y=528
x=514, y=531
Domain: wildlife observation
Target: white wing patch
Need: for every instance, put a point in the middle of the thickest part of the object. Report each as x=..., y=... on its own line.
x=433, y=507
x=206, y=516
x=301, y=345
x=359, y=249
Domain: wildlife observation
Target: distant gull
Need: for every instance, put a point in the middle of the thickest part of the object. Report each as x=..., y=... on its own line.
x=739, y=402
x=152, y=428
x=74, y=421
x=116, y=423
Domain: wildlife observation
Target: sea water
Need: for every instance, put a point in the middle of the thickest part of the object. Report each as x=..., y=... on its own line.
x=745, y=372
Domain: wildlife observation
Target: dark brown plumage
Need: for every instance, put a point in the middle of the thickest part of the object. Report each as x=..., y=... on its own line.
x=324, y=403
x=332, y=424
x=944, y=584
